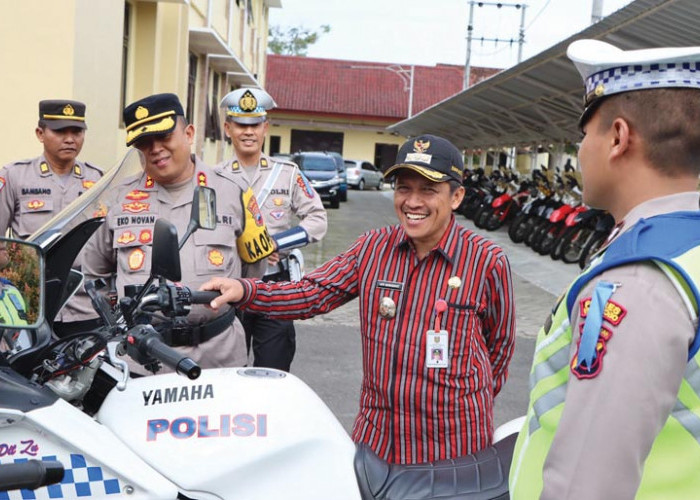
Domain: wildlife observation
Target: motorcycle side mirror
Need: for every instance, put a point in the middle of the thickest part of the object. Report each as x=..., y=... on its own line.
x=165, y=252
x=203, y=215
x=21, y=286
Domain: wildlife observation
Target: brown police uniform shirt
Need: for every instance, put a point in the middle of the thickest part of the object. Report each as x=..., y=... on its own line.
x=31, y=194
x=290, y=199
x=123, y=244
x=610, y=421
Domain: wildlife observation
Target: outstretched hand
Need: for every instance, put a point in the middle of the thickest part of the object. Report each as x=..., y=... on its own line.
x=231, y=291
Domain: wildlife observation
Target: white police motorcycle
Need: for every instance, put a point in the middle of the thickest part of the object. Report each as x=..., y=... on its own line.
x=74, y=424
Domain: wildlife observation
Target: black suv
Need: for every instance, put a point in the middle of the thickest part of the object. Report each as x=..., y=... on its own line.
x=321, y=171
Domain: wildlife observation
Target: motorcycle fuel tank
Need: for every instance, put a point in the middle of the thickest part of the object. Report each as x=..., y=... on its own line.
x=244, y=433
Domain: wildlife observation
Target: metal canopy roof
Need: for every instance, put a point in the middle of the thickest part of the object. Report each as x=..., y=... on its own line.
x=540, y=100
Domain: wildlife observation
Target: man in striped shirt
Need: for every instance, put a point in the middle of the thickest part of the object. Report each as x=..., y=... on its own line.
x=436, y=311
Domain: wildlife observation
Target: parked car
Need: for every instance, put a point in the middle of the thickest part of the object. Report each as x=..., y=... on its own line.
x=362, y=174
x=340, y=165
x=282, y=156
x=322, y=173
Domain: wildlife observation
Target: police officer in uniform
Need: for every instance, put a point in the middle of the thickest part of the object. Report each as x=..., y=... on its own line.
x=293, y=212
x=614, y=407
x=156, y=126
x=32, y=191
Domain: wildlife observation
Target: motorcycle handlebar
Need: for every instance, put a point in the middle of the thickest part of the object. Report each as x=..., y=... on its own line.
x=203, y=297
x=148, y=342
x=170, y=357
x=31, y=474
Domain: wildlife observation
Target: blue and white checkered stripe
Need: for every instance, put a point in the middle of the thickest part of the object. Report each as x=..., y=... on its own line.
x=79, y=481
x=643, y=76
x=238, y=111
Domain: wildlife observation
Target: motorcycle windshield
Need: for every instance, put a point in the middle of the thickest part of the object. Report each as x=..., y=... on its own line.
x=93, y=203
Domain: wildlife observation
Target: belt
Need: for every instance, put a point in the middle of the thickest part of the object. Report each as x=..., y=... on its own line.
x=184, y=334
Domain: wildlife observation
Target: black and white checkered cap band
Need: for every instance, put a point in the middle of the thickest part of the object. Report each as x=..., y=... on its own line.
x=640, y=77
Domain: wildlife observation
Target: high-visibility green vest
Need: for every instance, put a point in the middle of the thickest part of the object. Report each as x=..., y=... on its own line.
x=12, y=308
x=672, y=469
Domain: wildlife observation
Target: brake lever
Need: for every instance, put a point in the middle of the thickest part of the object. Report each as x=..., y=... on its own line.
x=118, y=363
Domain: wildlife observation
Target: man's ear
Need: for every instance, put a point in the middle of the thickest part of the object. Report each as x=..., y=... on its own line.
x=189, y=133
x=457, y=197
x=620, y=140
x=39, y=134
x=227, y=125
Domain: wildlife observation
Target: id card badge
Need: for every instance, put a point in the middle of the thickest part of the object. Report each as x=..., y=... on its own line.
x=436, y=352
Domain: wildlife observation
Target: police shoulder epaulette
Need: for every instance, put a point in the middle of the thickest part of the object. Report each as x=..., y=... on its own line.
x=94, y=167
x=223, y=171
x=20, y=162
x=5, y=281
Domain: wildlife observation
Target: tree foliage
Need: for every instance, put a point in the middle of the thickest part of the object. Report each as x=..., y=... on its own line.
x=24, y=273
x=293, y=41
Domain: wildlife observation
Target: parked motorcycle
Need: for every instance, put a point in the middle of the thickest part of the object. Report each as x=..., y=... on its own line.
x=506, y=207
x=568, y=201
x=231, y=433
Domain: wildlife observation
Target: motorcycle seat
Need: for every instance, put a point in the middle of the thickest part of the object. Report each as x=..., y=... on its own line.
x=481, y=476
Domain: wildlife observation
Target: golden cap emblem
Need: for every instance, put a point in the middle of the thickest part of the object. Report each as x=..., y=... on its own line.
x=248, y=102
x=421, y=146
x=68, y=110
x=141, y=113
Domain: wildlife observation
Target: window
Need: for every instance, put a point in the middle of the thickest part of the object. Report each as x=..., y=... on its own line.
x=249, y=11
x=310, y=140
x=125, y=54
x=385, y=155
x=191, y=87
x=274, y=144
x=212, y=127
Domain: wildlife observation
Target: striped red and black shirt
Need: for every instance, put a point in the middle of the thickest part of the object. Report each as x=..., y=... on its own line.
x=410, y=413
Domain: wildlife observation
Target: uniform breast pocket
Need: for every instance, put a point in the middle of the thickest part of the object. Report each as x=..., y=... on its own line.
x=34, y=211
x=277, y=207
x=213, y=251
x=463, y=324
x=133, y=257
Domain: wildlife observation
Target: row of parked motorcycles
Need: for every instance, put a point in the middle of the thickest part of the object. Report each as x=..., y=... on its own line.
x=545, y=212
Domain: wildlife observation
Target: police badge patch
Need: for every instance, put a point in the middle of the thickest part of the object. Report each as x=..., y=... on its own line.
x=581, y=371
x=305, y=186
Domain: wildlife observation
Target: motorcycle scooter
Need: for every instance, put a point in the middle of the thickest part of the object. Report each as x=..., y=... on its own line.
x=231, y=433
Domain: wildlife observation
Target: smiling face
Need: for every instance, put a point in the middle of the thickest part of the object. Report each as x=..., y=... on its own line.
x=61, y=147
x=168, y=156
x=424, y=208
x=247, y=140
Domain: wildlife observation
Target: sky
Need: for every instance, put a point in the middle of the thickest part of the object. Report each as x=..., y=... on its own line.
x=433, y=32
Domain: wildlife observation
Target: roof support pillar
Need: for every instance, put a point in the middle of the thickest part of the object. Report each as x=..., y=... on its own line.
x=533, y=158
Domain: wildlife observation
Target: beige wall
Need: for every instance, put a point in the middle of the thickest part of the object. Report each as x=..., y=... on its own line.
x=97, y=80
x=67, y=58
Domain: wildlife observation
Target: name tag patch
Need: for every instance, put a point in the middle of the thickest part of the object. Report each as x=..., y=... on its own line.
x=390, y=285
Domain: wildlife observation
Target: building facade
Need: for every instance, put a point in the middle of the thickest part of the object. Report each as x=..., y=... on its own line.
x=108, y=53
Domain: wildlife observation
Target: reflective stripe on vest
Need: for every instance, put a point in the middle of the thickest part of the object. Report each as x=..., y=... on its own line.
x=9, y=313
